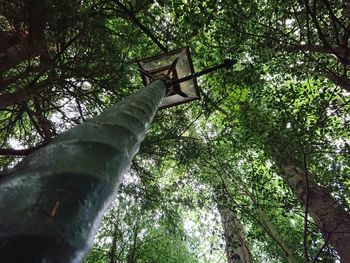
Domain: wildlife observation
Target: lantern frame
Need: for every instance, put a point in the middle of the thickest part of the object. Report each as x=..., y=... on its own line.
x=179, y=66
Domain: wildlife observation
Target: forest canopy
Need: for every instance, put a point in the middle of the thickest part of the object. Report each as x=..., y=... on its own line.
x=255, y=171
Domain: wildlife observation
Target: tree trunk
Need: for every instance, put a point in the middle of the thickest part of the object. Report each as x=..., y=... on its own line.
x=18, y=54
x=237, y=250
x=332, y=219
x=112, y=251
x=52, y=202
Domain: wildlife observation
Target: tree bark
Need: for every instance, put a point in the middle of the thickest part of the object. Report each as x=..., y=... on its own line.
x=337, y=51
x=237, y=250
x=18, y=54
x=332, y=219
x=342, y=81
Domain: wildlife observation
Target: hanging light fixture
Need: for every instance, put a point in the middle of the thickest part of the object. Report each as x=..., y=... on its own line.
x=172, y=66
x=176, y=69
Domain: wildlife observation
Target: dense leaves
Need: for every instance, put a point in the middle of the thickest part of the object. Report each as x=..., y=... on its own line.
x=205, y=165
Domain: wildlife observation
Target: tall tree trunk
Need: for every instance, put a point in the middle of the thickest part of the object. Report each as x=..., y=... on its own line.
x=112, y=251
x=53, y=201
x=332, y=218
x=237, y=250
x=25, y=45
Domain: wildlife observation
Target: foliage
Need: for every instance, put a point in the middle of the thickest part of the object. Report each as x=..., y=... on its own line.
x=288, y=93
x=136, y=231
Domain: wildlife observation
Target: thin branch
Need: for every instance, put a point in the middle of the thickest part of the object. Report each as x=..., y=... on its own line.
x=21, y=152
x=321, y=248
x=306, y=210
x=143, y=28
x=319, y=29
x=33, y=87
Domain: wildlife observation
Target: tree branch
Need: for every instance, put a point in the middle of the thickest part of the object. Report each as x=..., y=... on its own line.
x=143, y=28
x=21, y=152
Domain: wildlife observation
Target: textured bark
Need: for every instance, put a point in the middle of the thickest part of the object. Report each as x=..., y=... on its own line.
x=53, y=201
x=11, y=38
x=237, y=250
x=332, y=218
x=30, y=41
x=18, y=54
